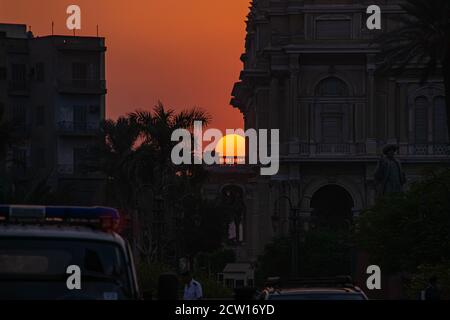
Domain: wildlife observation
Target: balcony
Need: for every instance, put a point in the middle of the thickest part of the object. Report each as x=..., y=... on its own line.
x=21, y=129
x=432, y=150
x=17, y=46
x=332, y=149
x=84, y=169
x=82, y=86
x=65, y=169
x=66, y=43
x=18, y=88
x=440, y=149
x=70, y=128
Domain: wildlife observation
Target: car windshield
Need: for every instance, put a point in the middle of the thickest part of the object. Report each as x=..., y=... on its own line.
x=36, y=269
x=317, y=296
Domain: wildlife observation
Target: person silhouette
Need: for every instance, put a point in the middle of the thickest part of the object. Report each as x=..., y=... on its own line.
x=432, y=291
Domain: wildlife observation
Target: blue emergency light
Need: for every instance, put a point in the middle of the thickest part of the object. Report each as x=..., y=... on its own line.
x=107, y=219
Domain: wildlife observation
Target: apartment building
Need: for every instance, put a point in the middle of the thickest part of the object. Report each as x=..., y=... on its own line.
x=53, y=91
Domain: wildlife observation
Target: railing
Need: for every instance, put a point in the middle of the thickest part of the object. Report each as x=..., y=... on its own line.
x=66, y=169
x=82, y=86
x=83, y=44
x=439, y=149
x=432, y=149
x=19, y=87
x=78, y=127
x=82, y=168
x=232, y=160
x=332, y=148
x=17, y=46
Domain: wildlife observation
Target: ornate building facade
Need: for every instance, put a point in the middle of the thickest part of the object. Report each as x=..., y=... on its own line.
x=310, y=70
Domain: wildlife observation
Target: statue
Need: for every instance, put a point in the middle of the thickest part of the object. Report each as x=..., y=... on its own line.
x=389, y=174
x=235, y=206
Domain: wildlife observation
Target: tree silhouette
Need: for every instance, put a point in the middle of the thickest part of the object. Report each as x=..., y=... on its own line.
x=423, y=38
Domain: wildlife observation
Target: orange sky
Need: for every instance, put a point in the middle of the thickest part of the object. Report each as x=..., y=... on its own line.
x=182, y=52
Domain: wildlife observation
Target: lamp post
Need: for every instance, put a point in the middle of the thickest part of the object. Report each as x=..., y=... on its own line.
x=294, y=231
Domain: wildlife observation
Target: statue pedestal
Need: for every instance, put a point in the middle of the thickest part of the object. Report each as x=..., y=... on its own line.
x=371, y=146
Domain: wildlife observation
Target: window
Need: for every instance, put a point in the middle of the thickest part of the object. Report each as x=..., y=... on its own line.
x=40, y=72
x=421, y=120
x=331, y=113
x=332, y=128
x=79, y=71
x=31, y=262
x=440, y=132
x=3, y=73
x=19, y=115
x=20, y=158
x=80, y=118
x=40, y=158
x=332, y=87
x=19, y=73
x=333, y=29
x=40, y=115
x=79, y=160
x=229, y=283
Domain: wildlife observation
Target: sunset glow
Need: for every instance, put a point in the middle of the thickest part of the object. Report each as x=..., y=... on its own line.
x=231, y=149
x=184, y=53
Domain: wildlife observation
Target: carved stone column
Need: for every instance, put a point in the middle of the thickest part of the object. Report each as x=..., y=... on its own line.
x=371, y=143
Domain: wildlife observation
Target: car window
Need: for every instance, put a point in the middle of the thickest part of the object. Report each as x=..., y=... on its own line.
x=29, y=267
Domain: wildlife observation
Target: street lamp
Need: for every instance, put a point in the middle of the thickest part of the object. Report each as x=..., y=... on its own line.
x=294, y=231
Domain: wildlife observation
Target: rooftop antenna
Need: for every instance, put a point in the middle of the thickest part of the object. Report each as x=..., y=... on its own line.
x=97, y=31
x=53, y=28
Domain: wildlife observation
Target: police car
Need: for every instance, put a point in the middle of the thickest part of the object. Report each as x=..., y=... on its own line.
x=43, y=250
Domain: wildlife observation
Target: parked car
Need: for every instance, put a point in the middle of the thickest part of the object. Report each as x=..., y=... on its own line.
x=337, y=288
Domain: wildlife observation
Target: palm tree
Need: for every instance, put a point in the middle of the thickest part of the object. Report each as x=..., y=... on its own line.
x=156, y=129
x=423, y=38
x=136, y=159
x=117, y=152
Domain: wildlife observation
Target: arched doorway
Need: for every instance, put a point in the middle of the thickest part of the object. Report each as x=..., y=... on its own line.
x=332, y=207
x=326, y=247
x=233, y=202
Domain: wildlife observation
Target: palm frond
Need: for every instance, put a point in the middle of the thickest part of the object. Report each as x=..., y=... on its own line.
x=422, y=38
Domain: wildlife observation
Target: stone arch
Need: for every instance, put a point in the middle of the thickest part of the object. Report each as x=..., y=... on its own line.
x=325, y=87
x=239, y=185
x=312, y=85
x=429, y=91
x=350, y=187
x=332, y=205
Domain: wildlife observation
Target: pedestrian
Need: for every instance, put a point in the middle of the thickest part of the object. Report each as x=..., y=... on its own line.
x=192, y=288
x=431, y=292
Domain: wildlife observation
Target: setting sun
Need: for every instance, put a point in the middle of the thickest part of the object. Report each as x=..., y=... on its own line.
x=231, y=149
